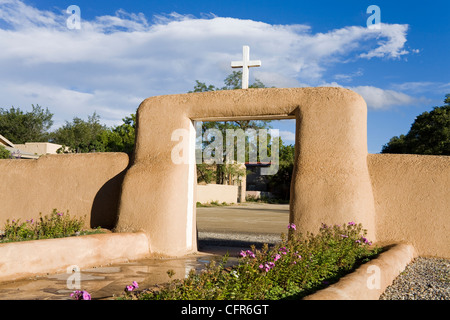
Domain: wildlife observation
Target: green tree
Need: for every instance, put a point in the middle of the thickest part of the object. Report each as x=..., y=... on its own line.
x=280, y=183
x=81, y=136
x=4, y=154
x=429, y=134
x=222, y=172
x=122, y=137
x=20, y=127
x=232, y=81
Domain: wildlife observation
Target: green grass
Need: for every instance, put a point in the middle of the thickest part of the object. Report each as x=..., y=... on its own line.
x=294, y=268
x=54, y=225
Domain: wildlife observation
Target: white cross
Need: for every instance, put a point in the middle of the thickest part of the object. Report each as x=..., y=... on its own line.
x=245, y=64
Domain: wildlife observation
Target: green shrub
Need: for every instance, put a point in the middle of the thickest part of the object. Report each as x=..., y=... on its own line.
x=214, y=203
x=297, y=266
x=55, y=225
x=4, y=154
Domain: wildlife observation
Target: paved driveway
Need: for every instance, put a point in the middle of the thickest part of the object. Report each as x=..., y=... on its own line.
x=241, y=225
x=245, y=218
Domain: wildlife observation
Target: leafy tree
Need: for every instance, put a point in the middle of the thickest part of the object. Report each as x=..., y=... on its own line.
x=120, y=138
x=81, y=136
x=4, y=154
x=20, y=127
x=232, y=81
x=429, y=134
x=202, y=87
x=280, y=183
x=225, y=172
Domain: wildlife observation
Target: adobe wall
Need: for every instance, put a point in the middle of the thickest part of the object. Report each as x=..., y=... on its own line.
x=412, y=201
x=331, y=182
x=84, y=184
x=217, y=192
x=395, y=197
x=41, y=257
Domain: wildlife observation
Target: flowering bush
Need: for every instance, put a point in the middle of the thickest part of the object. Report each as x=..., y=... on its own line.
x=55, y=225
x=297, y=266
x=80, y=295
x=132, y=287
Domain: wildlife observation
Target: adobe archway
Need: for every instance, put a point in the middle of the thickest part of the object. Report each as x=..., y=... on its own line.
x=330, y=184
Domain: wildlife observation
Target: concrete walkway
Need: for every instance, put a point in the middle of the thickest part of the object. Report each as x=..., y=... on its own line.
x=221, y=230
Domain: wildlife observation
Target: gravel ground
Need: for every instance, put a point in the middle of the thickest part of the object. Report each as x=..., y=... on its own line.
x=423, y=279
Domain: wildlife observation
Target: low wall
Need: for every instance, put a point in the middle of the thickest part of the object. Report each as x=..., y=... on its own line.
x=370, y=280
x=217, y=192
x=84, y=184
x=28, y=258
x=412, y=201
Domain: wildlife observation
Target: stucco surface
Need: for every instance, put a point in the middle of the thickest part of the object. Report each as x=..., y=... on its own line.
x=371, y=279
x=217, y=192
x=331, y=182
x=412, y=200
x=395, y=197
x=84, y=184
x=27, y=258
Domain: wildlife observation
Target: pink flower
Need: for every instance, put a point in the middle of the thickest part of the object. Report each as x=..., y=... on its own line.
x=80, y=295
x=132, y=287
x=351, y=223
x=267, y=266
x=292, y=226
x=247, y=253
x=86, y=295
x=277, y=257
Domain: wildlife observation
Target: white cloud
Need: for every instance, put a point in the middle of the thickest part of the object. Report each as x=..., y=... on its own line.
x=114, y=62
x=377, y=98
x=392, y=45
x=287, y=136
x=439, y=88
x=348, y=77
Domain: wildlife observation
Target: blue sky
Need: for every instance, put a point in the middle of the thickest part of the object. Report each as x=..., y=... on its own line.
x=126, y=51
